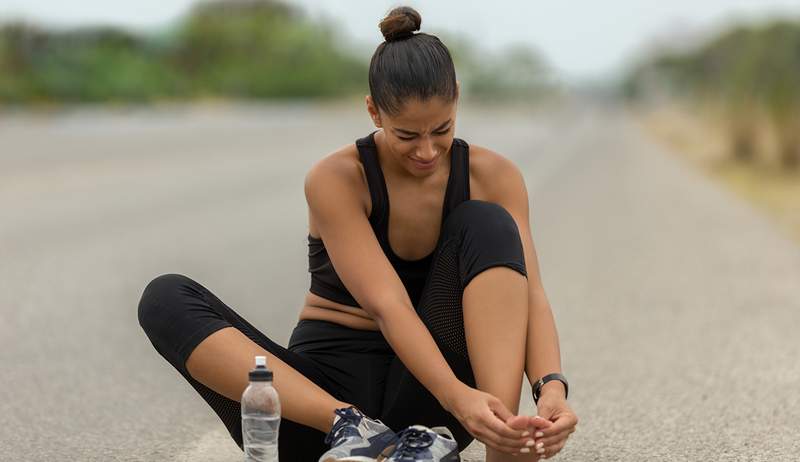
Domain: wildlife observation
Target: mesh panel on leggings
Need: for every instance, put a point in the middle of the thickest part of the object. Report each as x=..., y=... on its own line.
x=228, y=410
x=440, y=307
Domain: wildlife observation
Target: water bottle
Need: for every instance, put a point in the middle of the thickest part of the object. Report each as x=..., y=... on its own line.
x=261, y=415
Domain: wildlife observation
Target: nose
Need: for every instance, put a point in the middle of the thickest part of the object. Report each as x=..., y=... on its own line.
x=426, y=151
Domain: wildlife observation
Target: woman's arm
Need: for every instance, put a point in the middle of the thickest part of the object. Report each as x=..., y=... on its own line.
x=340, y=216
x=543, y=345
x=359, y=261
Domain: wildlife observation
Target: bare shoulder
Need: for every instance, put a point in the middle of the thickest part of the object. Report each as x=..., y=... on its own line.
x=342, y=163
x=336, y=181
x=493, y=177
x=337, y=215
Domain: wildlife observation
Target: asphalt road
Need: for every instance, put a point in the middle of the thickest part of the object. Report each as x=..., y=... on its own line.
x=677, y=305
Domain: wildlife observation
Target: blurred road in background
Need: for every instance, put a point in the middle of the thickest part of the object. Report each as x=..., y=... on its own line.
x=676, y=304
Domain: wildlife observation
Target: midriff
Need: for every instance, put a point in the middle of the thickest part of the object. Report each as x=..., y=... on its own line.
x=321, y=308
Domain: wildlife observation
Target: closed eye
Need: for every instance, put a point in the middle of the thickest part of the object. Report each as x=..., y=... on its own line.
x=439, y=133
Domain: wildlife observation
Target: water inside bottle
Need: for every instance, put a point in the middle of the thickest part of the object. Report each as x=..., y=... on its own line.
x=260, y=436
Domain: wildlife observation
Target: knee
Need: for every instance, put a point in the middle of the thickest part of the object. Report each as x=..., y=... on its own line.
x=157, y=297
x=483, y=221
x=488, y=237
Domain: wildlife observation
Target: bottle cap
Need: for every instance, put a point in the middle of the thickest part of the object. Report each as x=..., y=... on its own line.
x=261, y=373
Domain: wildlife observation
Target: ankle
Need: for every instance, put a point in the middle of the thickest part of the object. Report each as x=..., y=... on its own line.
x=331, y=416
x=493, y=455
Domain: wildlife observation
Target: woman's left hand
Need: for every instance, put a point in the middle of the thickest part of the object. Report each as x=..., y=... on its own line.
x=554, y=407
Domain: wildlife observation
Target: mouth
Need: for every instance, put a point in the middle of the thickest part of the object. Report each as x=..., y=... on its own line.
x=424, y=165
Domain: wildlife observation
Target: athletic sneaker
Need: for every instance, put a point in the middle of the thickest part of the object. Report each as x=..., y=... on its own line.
x=356, y=437
x=419, y=443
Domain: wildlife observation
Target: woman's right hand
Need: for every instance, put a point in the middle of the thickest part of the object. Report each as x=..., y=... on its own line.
x=484, y=417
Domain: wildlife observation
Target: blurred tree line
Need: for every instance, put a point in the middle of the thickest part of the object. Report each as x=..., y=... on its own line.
x=241, y=48
x=223, y=48
x=751, y=73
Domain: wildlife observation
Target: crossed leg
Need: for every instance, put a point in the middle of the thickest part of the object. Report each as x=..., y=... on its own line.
x=490, y=328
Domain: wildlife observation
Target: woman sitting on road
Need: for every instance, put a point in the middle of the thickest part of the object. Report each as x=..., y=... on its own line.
x=425, y=316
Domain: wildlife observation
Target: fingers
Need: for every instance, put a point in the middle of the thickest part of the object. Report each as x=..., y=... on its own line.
x=522, y=422
x=500, y=409
x=497, y=423
x=502, y=430
x=554, y=439
x=519, y=422
x=563, y=422
x=500, y=435
x=540, y=422
x=551, y=439
x=500, y=444
x=553, y=450
x=553, y=444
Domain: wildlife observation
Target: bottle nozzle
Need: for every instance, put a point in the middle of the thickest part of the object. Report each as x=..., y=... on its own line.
x=261, y=373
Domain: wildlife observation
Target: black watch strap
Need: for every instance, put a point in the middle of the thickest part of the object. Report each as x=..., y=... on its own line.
x=537, y=386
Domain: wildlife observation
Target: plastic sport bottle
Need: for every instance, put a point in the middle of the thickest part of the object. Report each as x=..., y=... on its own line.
x=261, y=415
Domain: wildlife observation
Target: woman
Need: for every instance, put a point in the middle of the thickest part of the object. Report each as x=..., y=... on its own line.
x=427, y=315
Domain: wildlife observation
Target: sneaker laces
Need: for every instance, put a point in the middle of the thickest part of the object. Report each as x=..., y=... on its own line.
x=412, y=441
x=345, y=426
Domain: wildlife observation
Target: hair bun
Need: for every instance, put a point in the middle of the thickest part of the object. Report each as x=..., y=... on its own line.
x=400, y=23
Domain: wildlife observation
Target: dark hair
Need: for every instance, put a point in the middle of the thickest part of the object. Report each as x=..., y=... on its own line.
x=409, y=64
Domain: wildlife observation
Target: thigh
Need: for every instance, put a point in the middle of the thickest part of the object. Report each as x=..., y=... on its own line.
x=177, y=313
x=356, y=361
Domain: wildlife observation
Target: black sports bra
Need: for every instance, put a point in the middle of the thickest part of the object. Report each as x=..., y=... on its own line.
x=324, y=280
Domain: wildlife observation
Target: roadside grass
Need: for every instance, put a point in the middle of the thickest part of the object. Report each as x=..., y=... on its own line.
x=699, y=138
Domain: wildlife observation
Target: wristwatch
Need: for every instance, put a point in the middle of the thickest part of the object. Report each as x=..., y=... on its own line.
x=537, y=386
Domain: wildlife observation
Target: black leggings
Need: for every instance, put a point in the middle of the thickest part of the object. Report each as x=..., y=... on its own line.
x=354, y=366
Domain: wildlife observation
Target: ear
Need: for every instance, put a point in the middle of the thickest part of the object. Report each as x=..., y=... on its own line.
x=458, y=89
x=374, y=114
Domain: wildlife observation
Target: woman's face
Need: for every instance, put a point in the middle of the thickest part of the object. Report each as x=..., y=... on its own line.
x=419, y=137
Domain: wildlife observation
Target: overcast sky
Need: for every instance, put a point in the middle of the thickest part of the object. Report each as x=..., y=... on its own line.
x=581, y=39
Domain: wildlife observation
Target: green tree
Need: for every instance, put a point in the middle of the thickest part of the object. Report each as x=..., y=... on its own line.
x=746, y=70
x=263, y=49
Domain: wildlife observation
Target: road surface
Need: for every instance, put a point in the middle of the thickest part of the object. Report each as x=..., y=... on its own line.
x=677, y=305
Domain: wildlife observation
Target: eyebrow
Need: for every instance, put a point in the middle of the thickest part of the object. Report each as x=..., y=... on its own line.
x=409, y=132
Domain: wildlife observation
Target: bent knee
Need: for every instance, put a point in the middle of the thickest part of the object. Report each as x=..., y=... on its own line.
x=485, y=221
x=160, y=294
x=488, y=237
